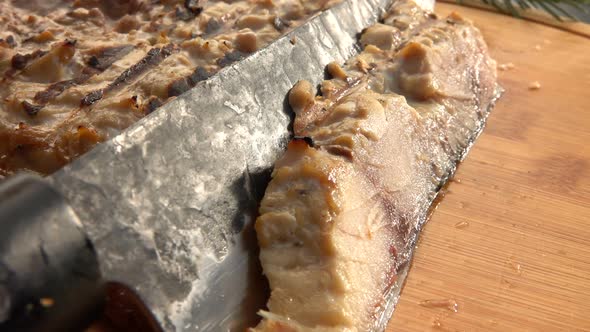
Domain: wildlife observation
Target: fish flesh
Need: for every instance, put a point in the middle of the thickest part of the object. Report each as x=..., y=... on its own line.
x=341, y=214
x=76, y=73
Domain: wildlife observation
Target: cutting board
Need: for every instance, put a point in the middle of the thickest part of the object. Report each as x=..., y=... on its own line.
x=510, y=240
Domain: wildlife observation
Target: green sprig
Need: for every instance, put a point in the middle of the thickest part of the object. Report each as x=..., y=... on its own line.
x=552, y=7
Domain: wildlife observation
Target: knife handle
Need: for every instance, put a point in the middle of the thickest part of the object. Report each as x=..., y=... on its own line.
x=49, y=274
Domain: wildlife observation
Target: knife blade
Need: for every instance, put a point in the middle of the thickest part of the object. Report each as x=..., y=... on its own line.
x=169, y=203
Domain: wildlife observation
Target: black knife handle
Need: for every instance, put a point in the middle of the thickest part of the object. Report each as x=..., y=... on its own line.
x=49, y=274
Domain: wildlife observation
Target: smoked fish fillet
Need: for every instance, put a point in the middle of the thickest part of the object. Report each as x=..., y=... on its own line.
x=341, y=214
x=76, y=73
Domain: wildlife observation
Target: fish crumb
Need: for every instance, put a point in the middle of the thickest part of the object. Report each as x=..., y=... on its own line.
x=538, y=47
x=535, y=85
x=462, y=224
x=516, y=267
x=506, y=66
x=437, y=324
x=449, y=304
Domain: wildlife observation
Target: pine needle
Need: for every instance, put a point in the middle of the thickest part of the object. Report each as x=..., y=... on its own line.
x=551, y=7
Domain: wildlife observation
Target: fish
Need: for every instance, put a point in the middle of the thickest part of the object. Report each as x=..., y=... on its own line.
x=340, y=217
x=105, y=65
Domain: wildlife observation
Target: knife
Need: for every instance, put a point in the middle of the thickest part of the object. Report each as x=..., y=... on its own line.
x=168, y=205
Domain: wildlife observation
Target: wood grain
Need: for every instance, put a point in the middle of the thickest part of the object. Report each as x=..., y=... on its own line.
x=523, y=261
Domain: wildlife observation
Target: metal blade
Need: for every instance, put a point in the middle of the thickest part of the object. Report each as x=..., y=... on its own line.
x=170, y=202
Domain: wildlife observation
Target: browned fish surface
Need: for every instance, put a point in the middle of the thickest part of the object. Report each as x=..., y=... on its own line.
x=74, y=73
x=339, y=219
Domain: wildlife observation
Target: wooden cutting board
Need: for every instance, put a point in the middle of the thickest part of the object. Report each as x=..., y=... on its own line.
x=510, y=240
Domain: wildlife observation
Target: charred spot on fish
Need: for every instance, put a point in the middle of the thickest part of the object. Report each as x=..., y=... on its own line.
x=31, y=109
x=230, y=58
x=105, y=57
x=432, y=16
x=178, y=87
x=193, y=7
x=10, y=41
x=183, y=14
x=190, y=11
x=169, y=49
x=53, y=91
x=93, y=61
x=308, y=140
x=19, y=61
x=280, y=24
x=134, y=101
x=92, y=97
x=212, y=25
x=152, y=104
x=153, y=57
x=200, y=74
